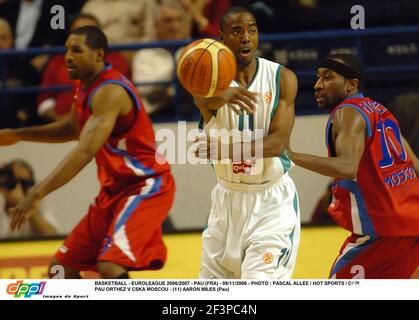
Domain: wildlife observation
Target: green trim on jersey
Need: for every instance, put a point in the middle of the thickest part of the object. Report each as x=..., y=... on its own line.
x=251, y=122
x=285, y=161
x=295, y=203
x=241, y=122
x=277, y=91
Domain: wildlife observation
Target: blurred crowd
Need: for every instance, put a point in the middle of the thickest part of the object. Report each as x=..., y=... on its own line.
x=26, y=24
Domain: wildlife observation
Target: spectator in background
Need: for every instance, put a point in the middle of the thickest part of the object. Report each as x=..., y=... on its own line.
x=16, y=178
x=30, y=20
x=157, y=64
x=6, y=42
x=306, y=4
x=275, y=16
x=6, y=36
x=206, y=16
x=16, y=110
x=123, y=21
x=52, y=106
x=31, y=25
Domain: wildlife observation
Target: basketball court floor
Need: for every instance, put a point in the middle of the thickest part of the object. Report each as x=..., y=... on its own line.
x=318, y=249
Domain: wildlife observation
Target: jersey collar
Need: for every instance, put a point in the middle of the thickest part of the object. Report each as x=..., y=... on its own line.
x=356, y=95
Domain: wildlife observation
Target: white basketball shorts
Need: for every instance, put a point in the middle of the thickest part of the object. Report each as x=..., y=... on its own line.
x=252, y=234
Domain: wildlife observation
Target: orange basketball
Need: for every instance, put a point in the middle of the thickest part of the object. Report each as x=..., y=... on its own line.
x=206, y=67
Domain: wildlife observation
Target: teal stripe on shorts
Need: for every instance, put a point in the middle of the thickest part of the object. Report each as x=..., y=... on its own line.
x=295, y=204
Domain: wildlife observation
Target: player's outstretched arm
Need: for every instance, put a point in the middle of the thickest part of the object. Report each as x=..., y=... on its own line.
x=239, y=97
x=412, y=156
x=106, y=106
x=59, y=131
x=349, y=136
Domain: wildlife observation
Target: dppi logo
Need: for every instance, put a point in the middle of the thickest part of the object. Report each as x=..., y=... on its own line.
x=27, y=290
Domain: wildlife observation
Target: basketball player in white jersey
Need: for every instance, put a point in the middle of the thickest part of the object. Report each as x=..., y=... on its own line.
x=254, y=225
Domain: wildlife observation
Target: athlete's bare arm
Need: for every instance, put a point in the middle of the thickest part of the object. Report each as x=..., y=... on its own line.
x=239, y=96
x=107, y=104
x=205, y=112
x=282, y=123
x=348, y=136
x=59, y=131
x=412, y=156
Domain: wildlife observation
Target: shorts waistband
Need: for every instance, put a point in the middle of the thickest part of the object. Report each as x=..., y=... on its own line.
x=251, y=187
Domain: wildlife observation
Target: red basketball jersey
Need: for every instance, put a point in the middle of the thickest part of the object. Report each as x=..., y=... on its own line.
x=128, y=159
x=383, y=200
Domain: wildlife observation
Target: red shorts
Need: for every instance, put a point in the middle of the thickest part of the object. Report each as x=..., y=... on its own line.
x=125, y=229
x=381, y=258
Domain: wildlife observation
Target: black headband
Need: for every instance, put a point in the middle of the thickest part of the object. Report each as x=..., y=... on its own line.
x=340, y=68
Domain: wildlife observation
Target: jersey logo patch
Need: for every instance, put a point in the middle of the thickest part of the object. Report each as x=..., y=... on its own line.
x=268, y=257
x=243, y=167
x=267, y=97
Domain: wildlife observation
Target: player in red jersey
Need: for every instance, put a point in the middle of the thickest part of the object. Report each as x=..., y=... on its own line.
x=122, y=229
x=376, y=192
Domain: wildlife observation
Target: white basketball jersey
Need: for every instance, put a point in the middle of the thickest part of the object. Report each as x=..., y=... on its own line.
x=261, y=171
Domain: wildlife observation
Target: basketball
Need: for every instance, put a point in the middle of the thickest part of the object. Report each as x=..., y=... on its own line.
x=206, y=67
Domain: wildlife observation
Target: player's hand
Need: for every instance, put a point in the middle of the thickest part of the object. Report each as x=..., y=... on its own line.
x=8, y=137
x=240, y=99
x=23, y=211
x=211, y=148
